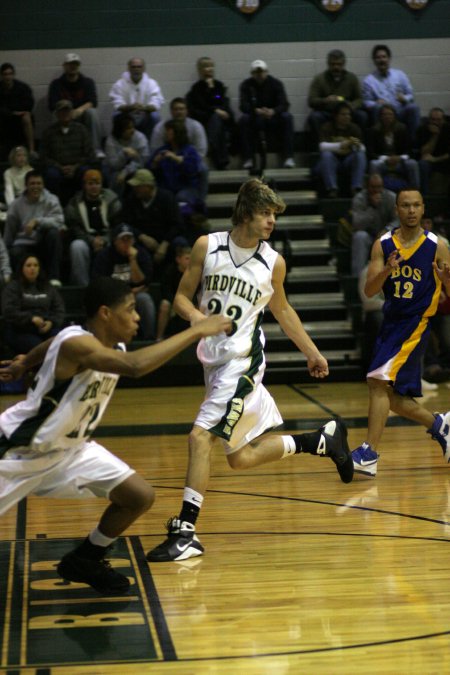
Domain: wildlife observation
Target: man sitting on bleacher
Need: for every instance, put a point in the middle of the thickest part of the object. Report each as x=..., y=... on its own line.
x=373, y=209
x=90, y=215
x=33, y=225
x=154, y=215
x=126, y=259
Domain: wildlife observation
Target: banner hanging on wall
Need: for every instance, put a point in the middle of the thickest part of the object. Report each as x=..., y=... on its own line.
x=416, y=5
x=332, y=7
x=247, y=7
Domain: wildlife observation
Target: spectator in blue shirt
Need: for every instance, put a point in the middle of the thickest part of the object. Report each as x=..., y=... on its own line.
x=389, y=85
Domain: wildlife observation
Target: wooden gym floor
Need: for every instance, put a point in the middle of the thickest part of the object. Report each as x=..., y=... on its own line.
x=302, y=574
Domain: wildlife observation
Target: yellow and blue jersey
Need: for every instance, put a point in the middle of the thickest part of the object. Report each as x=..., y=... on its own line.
x=411, y=298
x=413, y=288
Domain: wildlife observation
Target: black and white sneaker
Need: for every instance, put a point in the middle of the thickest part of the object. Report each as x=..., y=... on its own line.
x=333, y=444
x=181, y=543
x=95, y=573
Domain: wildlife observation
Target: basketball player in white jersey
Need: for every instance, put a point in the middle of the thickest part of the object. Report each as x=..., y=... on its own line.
x=238, y=275
x=44, y=440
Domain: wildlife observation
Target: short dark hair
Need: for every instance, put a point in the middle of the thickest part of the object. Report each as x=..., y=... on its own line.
x=104, y=291
x=7, y=66
x=120, y=123
x=253, y=196
x=177, y=99
x=342, y=105
x=182, y=250
x=34, y=173
x=335, y=55
x=386, y=106
x=408, y=188
x=381, y=48
x=436, y=108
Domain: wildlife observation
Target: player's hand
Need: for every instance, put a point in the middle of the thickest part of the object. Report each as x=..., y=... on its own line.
x=213, y=325
x=12, y=370
x=443, y=273
x=318, y=366
x=30, y=226
x=393, y=261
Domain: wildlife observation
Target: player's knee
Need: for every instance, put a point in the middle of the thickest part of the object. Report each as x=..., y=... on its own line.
x=236, y=461
x=135, y=494
x=143, y=498
x=200, y=442
x=374, y=384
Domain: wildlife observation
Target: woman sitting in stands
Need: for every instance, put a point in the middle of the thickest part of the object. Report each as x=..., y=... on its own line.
x=33, y=310
x=176, y=166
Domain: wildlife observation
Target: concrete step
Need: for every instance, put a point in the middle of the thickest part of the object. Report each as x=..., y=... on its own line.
x=312, y=273
x=273, y=331
x=239, y=176
x=296, y=357
x=293, y=224
x=298, y=373
x=317, y=300
x=306, y=252
x=295, y=197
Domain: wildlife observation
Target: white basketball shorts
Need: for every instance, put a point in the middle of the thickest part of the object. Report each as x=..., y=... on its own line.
x=237, y=407
x=85, y=471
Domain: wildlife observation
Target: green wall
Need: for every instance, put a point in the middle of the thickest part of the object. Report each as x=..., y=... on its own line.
x=53, y=24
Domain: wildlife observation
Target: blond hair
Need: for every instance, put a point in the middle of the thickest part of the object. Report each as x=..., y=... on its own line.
x=254, y=196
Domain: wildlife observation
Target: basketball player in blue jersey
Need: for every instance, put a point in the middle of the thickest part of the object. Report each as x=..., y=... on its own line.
x=239, y=274
x=45, y=446
x=410, y=265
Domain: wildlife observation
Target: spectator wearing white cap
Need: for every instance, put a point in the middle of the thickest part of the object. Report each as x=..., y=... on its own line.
x=264, y=106
x=82, y=93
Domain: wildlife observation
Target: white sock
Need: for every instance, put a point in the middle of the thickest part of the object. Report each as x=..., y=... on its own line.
x=289, y=446
x=193, y=497
x=99, y=539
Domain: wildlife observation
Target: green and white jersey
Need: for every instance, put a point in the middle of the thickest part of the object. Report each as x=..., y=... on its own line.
x=236, y=282
x=57, y=414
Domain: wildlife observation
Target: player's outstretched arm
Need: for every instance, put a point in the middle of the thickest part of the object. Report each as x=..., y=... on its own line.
x=290, y=322
x=86, y=352
x=22, y=363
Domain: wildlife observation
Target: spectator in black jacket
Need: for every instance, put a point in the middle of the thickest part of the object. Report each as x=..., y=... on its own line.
x=82, y=93
x=126, y=259
x=209, y=104
x=90, y=215
x=389, y=150
x=264, y=106
x=154, y=215
x=16, y=104
x=33, y=309
x=433, y=141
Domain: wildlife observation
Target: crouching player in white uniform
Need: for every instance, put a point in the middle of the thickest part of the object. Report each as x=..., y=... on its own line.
x=239, y=274
x=44, y=440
